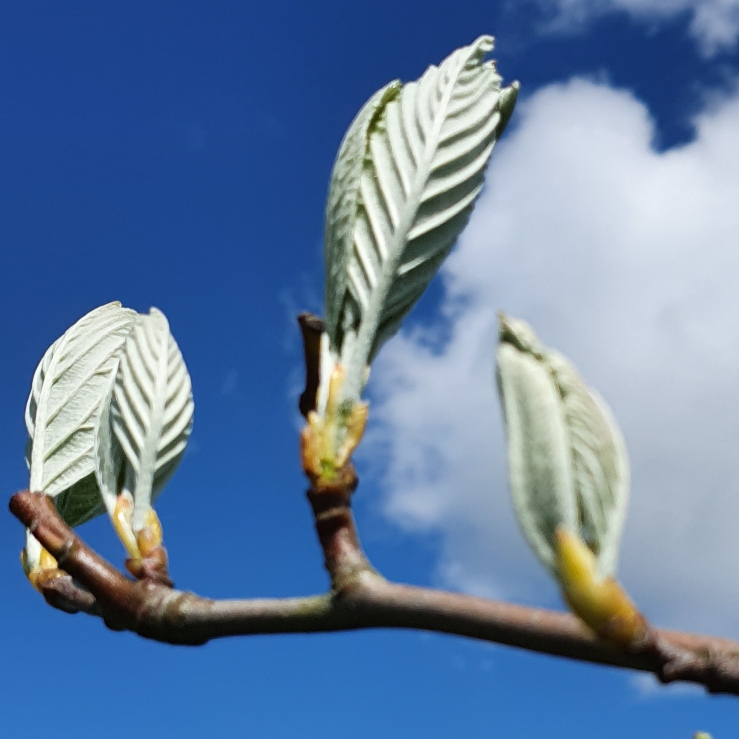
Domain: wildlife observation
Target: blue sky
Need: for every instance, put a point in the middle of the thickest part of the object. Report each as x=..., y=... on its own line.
x=179, y=156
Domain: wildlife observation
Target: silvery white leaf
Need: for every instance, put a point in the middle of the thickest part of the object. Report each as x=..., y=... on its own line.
x=539, y=467
x=151, y=411
x=600, y=463
x=567, y=460
x=67, y=394
x=108, y=457
x=402, y=189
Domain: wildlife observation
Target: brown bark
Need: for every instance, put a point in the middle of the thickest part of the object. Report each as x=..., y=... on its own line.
x=311, y=327
x=359, y=599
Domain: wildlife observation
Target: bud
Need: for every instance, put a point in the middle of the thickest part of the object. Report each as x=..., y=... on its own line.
x=569, y=477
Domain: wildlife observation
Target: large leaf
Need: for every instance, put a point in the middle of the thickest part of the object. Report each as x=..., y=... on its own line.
x=68, y=392
x=402, y=190
x=151, y=412
x=568, y=464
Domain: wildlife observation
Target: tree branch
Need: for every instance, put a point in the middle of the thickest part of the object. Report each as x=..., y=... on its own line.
x=360, y=599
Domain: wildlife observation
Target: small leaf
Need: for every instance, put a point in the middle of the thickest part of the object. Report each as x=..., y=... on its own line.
x=68, y=392
x=108, y=457
x=151, y=415
x=81, y=502
x=539, y=465
x=568, y=465
x=403, y=186
x=599, y=463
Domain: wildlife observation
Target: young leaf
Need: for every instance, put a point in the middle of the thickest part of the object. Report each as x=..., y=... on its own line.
x=539, y=464
x=600, y=467
x=108, y=457
x=151, y=411
x=67, y=394
x=402, y=189
x=568, y=465
x=343, y=196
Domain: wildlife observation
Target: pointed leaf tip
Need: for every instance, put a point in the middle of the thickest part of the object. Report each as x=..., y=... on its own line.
x=403, y=186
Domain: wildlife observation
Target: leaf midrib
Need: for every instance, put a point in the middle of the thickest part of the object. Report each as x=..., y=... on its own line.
x=371, y=318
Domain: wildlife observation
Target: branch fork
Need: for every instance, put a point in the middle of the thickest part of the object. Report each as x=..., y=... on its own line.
x=359, y=598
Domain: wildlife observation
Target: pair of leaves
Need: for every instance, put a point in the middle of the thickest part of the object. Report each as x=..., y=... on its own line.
x=567, y=460
x=403, y=186
x=110, y=400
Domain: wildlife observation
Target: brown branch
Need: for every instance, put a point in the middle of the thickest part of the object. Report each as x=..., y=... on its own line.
x=311, y=327
x=360, y=599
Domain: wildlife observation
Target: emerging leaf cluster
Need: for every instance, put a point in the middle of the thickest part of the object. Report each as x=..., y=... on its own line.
x=109, y=415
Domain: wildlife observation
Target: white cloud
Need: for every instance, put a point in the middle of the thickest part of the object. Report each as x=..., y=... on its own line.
x=627, y=260
x=713, y=23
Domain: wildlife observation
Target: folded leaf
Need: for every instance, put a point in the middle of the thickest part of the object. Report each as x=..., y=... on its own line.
x=599, y=463
x=151, y=414
x=568, y=465
x=343, y=195
x=68, y=392
x=539, y=464
x=109, y=461
x=403, y=186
